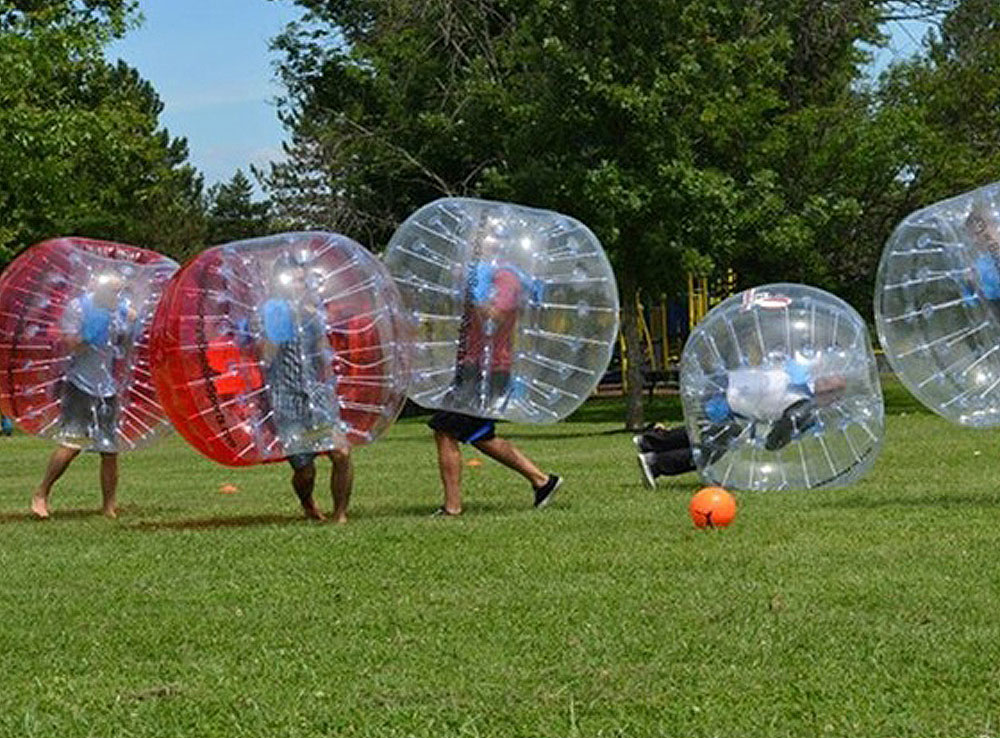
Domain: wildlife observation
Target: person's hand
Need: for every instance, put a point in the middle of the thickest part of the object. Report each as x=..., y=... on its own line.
x=829, y=388
x=267, y=350
x=71, y=341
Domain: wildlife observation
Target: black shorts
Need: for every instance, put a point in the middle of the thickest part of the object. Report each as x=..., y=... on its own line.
x=463, y=428
x=301, y=461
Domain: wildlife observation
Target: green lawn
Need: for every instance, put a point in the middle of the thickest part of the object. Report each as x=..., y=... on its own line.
x=871, y=611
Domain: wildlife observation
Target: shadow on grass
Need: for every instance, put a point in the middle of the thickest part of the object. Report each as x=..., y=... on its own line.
x=502, y=426
x=82, y=513
x=218, y=523
x=667, y=409
x=661, y=408
x=249, y=521
x=56, y=515
x=862, y=502
x=541, y=436
x=898, y=399
x=473, y=509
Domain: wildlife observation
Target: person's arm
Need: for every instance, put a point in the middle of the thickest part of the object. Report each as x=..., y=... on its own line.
x=276, y=327
x=70, y=325
x=126, y=323
x=829, y=389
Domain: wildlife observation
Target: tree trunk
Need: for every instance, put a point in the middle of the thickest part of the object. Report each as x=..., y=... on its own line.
x=633, y=354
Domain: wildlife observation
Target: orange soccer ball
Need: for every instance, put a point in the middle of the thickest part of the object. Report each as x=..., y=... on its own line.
x=712, y=507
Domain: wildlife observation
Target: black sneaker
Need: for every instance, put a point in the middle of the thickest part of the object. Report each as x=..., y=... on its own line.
x=647, y=473
x=795, y=421
x=545, y=493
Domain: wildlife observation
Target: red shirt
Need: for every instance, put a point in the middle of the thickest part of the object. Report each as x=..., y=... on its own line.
x=499, y=316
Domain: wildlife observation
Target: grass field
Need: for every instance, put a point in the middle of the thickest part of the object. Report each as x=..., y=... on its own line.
x=871, y=611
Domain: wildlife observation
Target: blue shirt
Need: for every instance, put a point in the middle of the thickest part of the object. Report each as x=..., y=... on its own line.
x=102, y=333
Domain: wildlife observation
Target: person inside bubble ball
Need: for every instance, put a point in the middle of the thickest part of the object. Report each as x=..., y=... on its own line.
x=783, y=399
x=484, y=370
x=983, y=231
x=97, y=329
x=486, y=339
x=297, y=355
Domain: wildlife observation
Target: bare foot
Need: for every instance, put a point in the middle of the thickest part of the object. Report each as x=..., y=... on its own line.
x=312, y=512
x=110, y=513
x=39, y=507
x=340, y=518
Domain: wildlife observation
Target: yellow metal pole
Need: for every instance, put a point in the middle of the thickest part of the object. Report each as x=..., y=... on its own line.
x=624, y=355
x=644, y=331
x=663, y=332
x=691, y=308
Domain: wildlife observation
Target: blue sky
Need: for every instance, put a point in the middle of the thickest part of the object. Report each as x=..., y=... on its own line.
x=209, y=61
x=905, y=38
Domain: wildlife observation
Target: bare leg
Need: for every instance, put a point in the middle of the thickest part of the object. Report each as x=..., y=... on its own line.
x=303, y=481
x=109, y=484
x=58, y=463
x=510, y=456
x=450, y=466
x=341, y=481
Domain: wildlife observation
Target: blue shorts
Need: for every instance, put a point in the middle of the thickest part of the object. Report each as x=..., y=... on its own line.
x=463, y=428
x=307, y=458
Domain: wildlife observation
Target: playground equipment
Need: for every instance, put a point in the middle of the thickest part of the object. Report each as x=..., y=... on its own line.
x=665, y=324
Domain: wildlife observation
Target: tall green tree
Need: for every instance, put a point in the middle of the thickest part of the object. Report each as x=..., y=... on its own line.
x=233, y=214
x=952, y=96
x=81, y=150
x=925, y=131
x=689, y=134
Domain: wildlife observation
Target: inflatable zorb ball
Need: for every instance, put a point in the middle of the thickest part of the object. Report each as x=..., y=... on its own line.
x=278, y=346
x=781, y=391
x=75, y=317
x=516, y=309
x=937, y=306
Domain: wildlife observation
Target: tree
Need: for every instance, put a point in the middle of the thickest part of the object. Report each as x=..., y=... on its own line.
x=925, y=131
x=689, y=134
x=302, y=191
x=232, y=213
x=951, y=95
x=81, y=149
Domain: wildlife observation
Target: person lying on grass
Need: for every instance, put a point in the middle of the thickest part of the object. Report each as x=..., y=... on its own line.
x=780, y=402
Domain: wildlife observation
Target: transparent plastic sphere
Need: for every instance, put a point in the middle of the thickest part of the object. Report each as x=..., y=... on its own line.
x=75, y=316
x=781, y=391
x=516, y=309
x=937, y=306
x=277, y=346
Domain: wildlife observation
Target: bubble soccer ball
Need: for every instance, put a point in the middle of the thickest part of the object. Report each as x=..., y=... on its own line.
x=781, y=391
x=937, y=306
x=516, y=309
x=278, y=346
x=75, y=316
